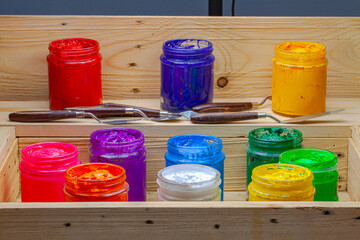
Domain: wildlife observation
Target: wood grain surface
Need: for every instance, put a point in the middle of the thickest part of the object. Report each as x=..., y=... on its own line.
x=131, y=47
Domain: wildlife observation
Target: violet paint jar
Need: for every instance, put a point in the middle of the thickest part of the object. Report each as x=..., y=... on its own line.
x=123, y=147
x=187, y=74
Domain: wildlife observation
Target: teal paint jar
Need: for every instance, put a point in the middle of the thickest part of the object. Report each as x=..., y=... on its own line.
x=266, y=144
x=324, y=166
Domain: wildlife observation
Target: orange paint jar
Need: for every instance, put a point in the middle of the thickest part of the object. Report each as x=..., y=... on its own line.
x=96, y=182
x=299, y=78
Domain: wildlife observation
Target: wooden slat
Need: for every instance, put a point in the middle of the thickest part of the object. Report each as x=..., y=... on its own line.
x=244, y=47
x=234, y=149
x=7, y=137
x=336, y=125
x=9, y=175
x=183, y=220
x=354, y=170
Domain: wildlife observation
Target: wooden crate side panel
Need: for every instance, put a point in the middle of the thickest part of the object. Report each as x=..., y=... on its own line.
x=10, y=175
x=354, y=165
x=159, y=221
x=234, y=149
x=131, y=47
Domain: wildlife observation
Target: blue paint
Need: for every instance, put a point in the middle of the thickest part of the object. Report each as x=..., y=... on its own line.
x=196, y=149
x=187, y=74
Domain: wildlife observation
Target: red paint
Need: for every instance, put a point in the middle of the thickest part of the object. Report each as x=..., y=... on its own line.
x=74, y=73
x=96, y=182
x=43, y=169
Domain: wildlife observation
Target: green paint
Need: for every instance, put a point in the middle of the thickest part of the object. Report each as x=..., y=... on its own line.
x=266, y=144
x=323, y=164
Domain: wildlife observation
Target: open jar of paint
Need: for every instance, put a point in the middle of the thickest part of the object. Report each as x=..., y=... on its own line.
x=266, y=144
x=42, y=170
x=196, y=149
x=323, y=164
x=188, y=182
x=123, y=147
x=281, y=182
x=74, y=66
x=299, y=78
x=96, y=182
x=187, y=74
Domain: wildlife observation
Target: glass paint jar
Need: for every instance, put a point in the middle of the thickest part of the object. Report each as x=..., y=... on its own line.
x=42, y=170
x=299, y=78
x=96, y=182
x=266, y=144
x=74, y=66
x=123, y=147
x=196, y=149
x=188, y=182
x=323, y=164
x=187, y=74
x=281, y=182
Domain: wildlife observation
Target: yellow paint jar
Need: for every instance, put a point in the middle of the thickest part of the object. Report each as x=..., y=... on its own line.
x=281, y=182
x=299, y=78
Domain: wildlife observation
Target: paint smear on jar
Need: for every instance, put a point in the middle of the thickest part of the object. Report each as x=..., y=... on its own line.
x=275, y=133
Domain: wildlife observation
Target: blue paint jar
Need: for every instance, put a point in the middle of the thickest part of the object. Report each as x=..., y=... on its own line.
x=187, y=74
x=196, y=149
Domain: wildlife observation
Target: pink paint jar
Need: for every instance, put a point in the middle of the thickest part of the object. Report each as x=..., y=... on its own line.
x=43, y=168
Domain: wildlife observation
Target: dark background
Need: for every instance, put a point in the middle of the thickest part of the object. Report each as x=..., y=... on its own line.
x=183, y=7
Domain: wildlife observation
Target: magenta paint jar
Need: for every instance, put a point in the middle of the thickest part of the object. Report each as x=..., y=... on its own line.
x=123, y=147
x=42, y=170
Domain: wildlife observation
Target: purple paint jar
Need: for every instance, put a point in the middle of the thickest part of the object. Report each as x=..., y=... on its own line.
x=187, y=74
x=123, y=147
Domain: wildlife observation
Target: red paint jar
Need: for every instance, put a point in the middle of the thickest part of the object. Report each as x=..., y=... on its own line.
x=96, y=182
x=74, y=66
x=43, y=168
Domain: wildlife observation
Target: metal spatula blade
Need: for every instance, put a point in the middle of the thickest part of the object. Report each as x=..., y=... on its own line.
x=307, y=117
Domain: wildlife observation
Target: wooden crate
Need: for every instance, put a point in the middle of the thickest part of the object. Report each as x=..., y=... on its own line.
x=131, y=47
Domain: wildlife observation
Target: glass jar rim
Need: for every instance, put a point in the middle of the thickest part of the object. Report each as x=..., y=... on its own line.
x=216, y=141
x=251, y=135
x=215, y=181
x=121, y=177
x=72, y=152
x=308, y=175
x=140, y=139
x=169, y=47
x=54, y=47
x=329, y=165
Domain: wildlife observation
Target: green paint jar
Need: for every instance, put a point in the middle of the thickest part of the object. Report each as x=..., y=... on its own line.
x=266, y=144
x=323, y=164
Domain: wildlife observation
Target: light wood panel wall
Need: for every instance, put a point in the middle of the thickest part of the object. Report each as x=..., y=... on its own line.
x=234, y=149
x=131, y=46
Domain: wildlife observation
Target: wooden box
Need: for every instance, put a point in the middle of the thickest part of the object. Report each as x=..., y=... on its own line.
x=131, y=47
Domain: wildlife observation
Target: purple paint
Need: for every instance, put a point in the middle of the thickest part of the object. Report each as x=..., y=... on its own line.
x=187, y=74
x=123, y=147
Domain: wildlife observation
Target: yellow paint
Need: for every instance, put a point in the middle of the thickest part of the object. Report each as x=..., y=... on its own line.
x=299, y=78
x=281, y=182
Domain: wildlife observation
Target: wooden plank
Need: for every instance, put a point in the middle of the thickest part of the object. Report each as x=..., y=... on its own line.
x=9, y=175
x=336, y=125
x=181, y=220
x=354, y=170
x=7, y=137
x=244, y=47
x=242, y=196
x=234, y=149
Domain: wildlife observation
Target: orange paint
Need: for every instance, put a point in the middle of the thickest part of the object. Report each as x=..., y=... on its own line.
x=299, y=78
x=96, y=182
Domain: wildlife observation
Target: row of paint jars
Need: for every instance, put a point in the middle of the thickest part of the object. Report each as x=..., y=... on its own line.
x=51, y=172
x=269, y=146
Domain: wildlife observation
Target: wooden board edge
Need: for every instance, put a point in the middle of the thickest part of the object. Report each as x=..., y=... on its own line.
x=7, y=137
x=10, y=175
x=354, y=165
